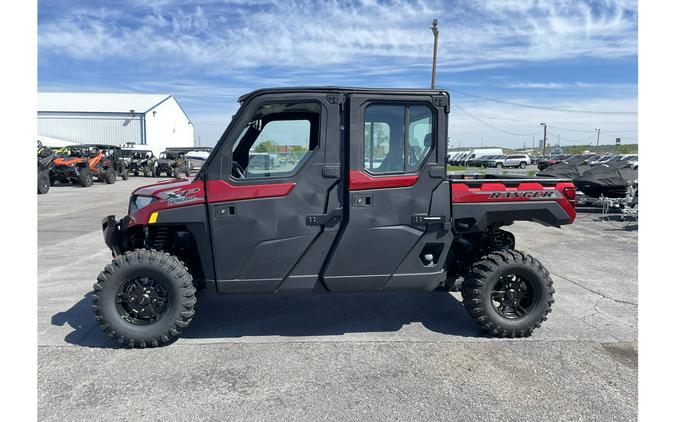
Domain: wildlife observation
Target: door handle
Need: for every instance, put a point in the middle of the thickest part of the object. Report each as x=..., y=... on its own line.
x=225, y=211
x=428, y=219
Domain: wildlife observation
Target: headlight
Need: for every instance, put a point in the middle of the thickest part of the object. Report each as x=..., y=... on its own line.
x=138, y=202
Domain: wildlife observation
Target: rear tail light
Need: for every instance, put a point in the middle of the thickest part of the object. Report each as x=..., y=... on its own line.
x=570, y=194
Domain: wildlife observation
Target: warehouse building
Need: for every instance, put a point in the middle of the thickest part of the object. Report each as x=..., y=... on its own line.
x=155, y=121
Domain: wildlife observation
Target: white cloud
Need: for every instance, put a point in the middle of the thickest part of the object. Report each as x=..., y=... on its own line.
x=220, y=37
x=294, y=42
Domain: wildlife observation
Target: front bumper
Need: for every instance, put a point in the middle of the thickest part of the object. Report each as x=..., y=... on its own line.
x=66, y=171
x=114, y=233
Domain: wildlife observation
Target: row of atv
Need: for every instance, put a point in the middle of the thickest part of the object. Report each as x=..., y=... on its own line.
x=144, y=163
x=86, y=163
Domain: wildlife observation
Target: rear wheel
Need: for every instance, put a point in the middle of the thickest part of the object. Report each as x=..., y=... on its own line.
x=43, y=182
x=508, y=293
x=135, y=172
x=144, y=298
x=85, y=178
x=523, y=165
x=147, y=171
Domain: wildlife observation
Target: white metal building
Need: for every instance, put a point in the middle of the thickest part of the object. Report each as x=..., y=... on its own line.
x=155, y=121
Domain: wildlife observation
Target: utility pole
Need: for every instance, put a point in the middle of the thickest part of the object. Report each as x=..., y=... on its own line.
x=434, y=29
x=597, y=142
x=544, y=152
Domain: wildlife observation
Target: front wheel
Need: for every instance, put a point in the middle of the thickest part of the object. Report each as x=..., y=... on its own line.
x=110, y=176
x=500, y=165
x=85, y=178
x=144, y=298
x=125, y=174
x=508, y=293
x=43, y=182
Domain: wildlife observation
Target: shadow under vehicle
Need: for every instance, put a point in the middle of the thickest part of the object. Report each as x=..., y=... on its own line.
x=366, y=205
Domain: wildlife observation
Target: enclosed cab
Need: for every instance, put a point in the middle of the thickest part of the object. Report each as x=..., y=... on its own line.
x=353, y=195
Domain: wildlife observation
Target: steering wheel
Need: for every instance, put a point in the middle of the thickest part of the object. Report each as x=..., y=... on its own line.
x=237, y=170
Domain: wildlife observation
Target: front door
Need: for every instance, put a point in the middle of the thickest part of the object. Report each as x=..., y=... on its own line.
x=274, y=178
x=395, y=222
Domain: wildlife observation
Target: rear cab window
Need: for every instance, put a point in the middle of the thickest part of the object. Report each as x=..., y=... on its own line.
x=398, y=137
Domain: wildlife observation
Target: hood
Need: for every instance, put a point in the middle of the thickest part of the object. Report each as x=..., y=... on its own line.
x=169, y=194
x=163, y=189
x=68, y=161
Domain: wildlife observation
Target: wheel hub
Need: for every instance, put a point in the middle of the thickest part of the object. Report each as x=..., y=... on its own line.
x=142, y=301
x=512, y=296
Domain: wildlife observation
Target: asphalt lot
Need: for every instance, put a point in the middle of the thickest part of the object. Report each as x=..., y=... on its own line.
x=341, y=356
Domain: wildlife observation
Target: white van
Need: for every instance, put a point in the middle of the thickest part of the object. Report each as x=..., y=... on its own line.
x=475, y=154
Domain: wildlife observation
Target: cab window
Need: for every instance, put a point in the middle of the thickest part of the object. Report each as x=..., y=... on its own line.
x=276, y=141
x=397, y=137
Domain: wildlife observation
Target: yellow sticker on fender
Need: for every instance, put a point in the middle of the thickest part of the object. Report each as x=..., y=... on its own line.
x=153, y=217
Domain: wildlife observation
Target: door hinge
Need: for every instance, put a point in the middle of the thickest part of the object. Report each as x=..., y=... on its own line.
x=324, y=219
x=441, y=101
x=331, y=171
x=336, y=98
x=437, y=172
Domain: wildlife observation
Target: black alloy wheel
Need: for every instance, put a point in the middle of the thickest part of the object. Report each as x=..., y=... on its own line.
x=512, y=296
x=142, y=300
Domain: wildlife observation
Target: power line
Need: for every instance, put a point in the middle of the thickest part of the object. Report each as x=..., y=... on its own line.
x=494, y=127
x=588, y=130
x=565, y=110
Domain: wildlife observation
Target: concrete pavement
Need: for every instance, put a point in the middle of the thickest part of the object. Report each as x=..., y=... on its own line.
x=339, y=356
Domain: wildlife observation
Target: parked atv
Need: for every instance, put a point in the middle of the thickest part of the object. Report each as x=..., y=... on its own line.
x=373, y=219
x=143, y=162
x=81, y=164
x=172, y=164
x=45, y=162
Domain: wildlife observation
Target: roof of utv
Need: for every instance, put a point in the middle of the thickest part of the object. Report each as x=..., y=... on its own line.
x=342, y=89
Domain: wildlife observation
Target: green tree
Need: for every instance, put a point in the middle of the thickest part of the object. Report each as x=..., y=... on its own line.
x=266, y=146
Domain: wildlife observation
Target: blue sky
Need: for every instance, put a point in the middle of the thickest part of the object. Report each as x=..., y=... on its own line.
x=508, y=64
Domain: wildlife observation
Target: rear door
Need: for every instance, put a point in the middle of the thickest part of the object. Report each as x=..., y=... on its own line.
x=271, y=183
x=394, y=233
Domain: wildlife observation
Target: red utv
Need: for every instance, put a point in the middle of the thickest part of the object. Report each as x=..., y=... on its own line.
x=355, y=196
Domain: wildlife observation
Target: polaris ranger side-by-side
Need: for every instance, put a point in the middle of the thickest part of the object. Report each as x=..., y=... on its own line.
x=359, y=200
